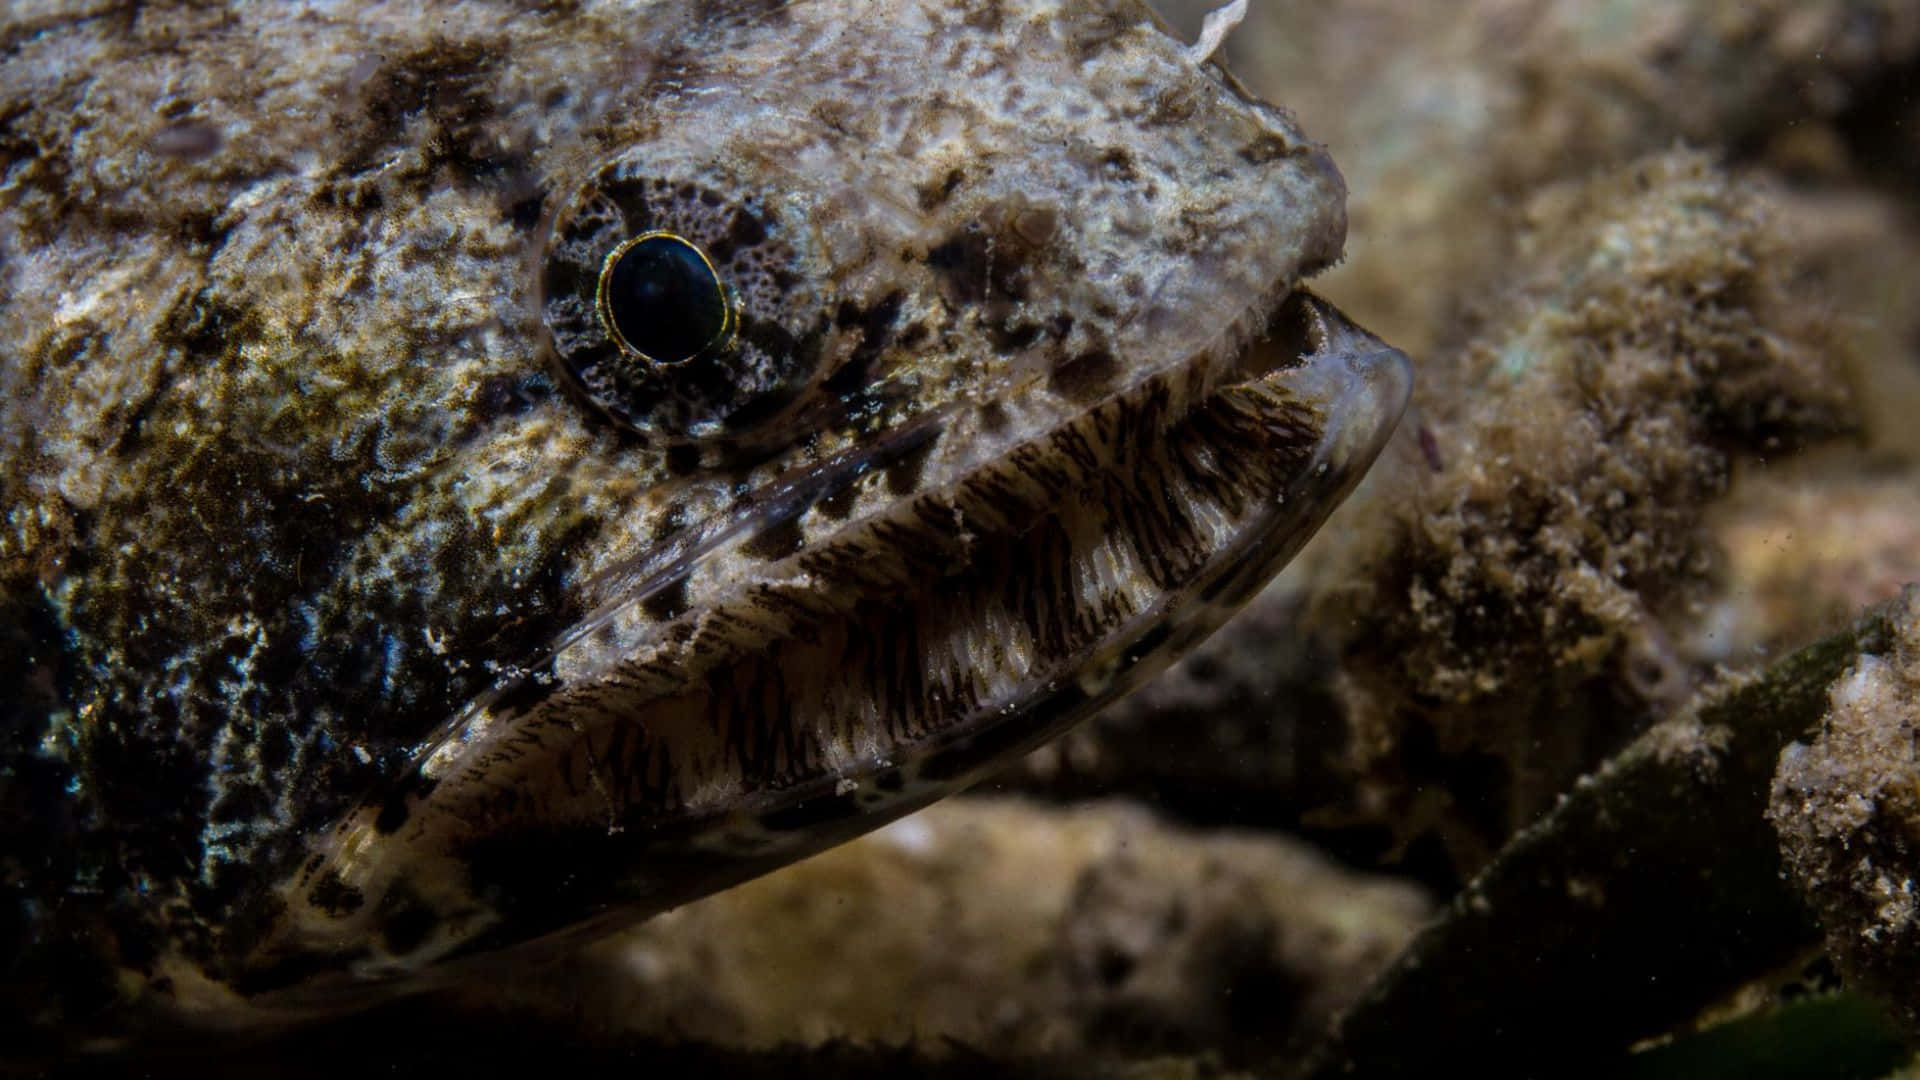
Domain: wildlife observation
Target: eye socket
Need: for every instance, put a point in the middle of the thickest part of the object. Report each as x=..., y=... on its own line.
x=684, y=303
x=660, y=298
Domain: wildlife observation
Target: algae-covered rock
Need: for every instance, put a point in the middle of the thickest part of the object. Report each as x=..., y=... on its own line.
x=1519, y=596
x=1847, y=807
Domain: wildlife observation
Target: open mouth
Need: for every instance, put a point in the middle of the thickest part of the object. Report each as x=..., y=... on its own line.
x=815, y=665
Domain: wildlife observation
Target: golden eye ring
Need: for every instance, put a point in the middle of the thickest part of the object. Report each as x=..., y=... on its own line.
x=660, y=299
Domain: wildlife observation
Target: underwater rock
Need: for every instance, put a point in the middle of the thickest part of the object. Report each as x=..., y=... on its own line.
x=1525, y=589
x=1803, y=551
x=1646, y=900
x=1011, y=927
x=1847, y=807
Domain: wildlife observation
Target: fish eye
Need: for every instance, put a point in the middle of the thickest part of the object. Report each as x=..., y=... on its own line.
x=686, y=304
x=660, y=298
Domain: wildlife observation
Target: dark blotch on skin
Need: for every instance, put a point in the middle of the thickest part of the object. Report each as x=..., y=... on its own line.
x=1264, y=149
x=395, y=808
x=1171, y=107
x=744, y=231
x=405, y=922
x=1089, y=33
x=190, y=141
x=1083, y=377
x=435, y=98
x=776, y=541
x=876, y=328
x=1117, y=164
x=1035, y=226
x=504, y=395
x=931, y=196
x=973, y=267
x=667, y=602
x=839, y=504
x=986, y=15
x=524, y=212
x=903, y=476
x=336, y=897
x=754, y=413
x=632, y=196
x=683, y=459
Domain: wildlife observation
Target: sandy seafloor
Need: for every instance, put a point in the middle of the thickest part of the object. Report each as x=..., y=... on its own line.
x=1656, y=263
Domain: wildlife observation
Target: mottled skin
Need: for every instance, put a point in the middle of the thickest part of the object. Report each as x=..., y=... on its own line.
x=346, y=638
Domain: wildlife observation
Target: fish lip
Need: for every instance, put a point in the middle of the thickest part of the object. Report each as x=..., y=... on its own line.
x=1360, y=376
x=1303, y=333
x=1310, y=348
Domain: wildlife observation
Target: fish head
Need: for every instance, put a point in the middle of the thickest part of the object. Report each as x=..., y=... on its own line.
x=617, y=465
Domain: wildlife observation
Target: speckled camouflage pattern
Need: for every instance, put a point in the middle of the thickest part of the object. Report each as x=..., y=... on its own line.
x=346, y=640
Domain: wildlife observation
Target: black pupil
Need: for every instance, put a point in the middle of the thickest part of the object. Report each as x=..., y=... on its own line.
x=664, y=299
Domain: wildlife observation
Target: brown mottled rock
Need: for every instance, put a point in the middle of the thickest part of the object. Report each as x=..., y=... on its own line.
x=1523, y=590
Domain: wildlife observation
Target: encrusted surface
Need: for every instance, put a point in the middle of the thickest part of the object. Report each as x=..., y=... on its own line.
x=1538, y=559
